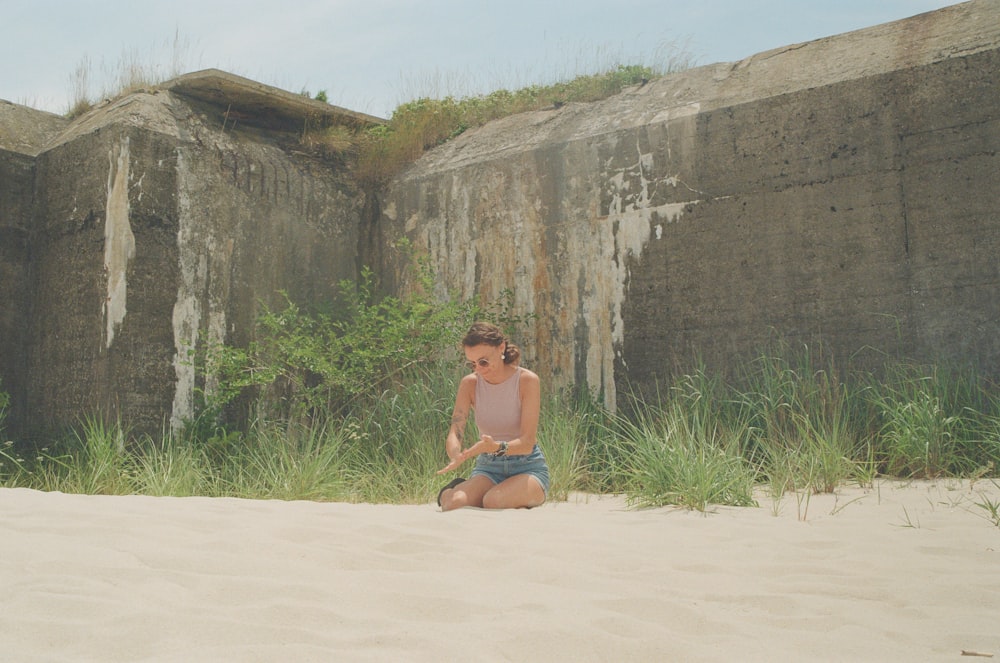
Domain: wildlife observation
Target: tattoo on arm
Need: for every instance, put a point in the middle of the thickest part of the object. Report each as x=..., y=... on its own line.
x=458, y=425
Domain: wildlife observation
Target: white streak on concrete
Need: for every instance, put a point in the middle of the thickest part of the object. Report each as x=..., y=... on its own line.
x=635, y=218
x=187, y=309
x=195, y=247
x=119, y=242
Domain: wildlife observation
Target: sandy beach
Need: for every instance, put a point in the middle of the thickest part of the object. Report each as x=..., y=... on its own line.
x=901, y=572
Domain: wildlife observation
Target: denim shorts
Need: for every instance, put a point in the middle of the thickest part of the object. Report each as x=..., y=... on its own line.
x=504, y=467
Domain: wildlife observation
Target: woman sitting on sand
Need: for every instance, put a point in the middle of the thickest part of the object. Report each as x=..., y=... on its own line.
x=510, y=469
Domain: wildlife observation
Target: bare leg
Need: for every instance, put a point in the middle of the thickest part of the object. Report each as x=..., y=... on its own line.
x=468, y=493
x=522, y=490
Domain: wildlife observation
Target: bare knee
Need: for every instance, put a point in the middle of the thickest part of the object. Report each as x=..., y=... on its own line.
x=502, y=497
x=494, y=500
x=453, y=499
x=467, y=493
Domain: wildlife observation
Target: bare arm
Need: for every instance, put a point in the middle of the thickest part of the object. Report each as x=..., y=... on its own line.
x=460, y=417
x=531, y=406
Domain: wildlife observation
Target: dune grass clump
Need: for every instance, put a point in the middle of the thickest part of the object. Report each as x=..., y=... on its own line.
x=807, y=434
x=796, y=423
x=680, y=452
x=285, y=461
x=935, y=421
x=569, y=430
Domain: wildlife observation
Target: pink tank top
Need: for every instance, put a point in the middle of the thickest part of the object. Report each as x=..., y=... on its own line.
x=498, y=407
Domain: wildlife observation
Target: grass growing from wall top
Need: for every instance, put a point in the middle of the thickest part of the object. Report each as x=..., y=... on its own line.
x=414, y=126
x=133, y=71
x=382, y=151
x=424, y=123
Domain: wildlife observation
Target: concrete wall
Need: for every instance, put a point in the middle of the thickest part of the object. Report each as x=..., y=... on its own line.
x=100, y=338
x=840, y=192
x=144, y=228
x=23, y=132
x=861, y=215
x=17, y=174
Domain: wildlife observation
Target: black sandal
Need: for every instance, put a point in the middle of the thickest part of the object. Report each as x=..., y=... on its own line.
x=451, y=484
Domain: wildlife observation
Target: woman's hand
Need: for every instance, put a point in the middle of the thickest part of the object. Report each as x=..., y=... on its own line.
x=483, y=446
x=454, y=464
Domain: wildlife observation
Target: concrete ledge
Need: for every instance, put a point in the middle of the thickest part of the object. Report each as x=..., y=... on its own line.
x=249, y=102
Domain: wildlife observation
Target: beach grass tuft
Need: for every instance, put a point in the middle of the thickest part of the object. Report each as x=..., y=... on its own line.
x=990, y=508
x=680, y=452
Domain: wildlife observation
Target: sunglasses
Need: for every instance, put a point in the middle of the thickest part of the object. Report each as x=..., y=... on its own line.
x=482, y=362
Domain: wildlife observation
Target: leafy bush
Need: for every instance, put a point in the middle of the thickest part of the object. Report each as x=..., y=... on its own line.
x=304, y=364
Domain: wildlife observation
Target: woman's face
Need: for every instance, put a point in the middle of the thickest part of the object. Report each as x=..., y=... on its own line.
x=485, y=359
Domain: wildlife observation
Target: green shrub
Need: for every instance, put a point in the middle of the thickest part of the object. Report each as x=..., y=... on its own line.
x=306, y=364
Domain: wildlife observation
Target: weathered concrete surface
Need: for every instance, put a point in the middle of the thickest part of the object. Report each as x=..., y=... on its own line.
x=841, y=192
x=23, y=132
x=147, y=226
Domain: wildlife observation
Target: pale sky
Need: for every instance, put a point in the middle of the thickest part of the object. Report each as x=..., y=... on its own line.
x=372, y=55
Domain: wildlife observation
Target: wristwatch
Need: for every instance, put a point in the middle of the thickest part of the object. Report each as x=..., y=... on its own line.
x=502, y=451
